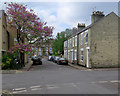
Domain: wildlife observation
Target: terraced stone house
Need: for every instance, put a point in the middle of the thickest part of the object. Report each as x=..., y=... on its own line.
x=97, y=44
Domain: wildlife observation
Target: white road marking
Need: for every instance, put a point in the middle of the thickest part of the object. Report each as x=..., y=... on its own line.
x=19, y=91
x=114, y=81
x=73, y=84
x=51, y=86
x=34, y=86
x=36, y=89
x=103, y=81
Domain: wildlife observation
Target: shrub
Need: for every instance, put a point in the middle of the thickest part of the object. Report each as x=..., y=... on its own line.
x=8, y=62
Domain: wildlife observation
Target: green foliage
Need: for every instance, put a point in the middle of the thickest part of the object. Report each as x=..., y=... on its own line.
x=8, y=62
x=58, y=43
x=56, y=54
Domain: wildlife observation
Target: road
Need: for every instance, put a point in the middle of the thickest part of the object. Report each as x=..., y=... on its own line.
x=51, y=78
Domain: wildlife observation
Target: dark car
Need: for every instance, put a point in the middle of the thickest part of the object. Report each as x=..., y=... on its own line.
x=62, y=61
x=37, y=60
x=50, y=58
x=56, y=59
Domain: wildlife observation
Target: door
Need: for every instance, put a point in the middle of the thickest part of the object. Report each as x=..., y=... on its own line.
x=87, y=63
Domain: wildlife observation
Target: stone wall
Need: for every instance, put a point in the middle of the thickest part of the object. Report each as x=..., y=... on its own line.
x=104, y=42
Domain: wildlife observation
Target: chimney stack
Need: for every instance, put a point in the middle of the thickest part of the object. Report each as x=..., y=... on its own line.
x=96, y=15
x=81, y=26
x=74, y=30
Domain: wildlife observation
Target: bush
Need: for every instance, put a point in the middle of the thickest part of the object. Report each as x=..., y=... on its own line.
x=8, y=62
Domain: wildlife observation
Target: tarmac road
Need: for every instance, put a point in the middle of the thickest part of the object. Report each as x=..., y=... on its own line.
x=51, y=78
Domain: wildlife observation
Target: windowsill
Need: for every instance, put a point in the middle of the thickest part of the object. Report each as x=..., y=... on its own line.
x=81, y=61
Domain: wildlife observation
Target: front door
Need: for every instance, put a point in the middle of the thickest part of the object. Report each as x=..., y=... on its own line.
x=87, y=57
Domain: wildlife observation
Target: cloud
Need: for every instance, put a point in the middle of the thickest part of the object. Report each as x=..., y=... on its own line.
x=62, y=15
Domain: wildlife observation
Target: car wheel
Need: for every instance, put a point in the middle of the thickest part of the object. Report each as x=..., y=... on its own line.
x=59, y=63
x=40, y=63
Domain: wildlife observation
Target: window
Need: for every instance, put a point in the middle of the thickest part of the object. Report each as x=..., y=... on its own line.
x=75, y=54
x=46, y=48
x=81, y=55
x=3, y=34
x=68, y=43
x=50, y=49
x=65, y=53
x=39, y=49
x=15, y=39
x=75, y=40
x=68, y=54
x=72, y=55
x=65, y=43
x=86, y=39
x=81, y=38
x=35, y=48
x=40, y=53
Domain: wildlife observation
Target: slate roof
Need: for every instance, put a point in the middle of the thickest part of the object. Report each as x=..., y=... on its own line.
x=89, y=26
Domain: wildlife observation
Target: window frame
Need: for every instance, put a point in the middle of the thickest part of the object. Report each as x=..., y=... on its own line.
x=81, y=55
x=75, y=40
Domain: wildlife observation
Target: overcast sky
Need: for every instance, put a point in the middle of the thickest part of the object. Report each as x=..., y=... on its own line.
x=62, y=15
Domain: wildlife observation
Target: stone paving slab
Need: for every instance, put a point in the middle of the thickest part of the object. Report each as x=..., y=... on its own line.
x=94, y=69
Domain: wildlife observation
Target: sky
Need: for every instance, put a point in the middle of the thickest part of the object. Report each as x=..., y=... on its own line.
x=62, y=15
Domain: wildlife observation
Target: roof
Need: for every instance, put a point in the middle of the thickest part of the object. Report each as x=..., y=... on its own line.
x=89, y=26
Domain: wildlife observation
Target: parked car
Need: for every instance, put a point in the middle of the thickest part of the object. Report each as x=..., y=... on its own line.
x=62, y=61
x=36, y=60
x=55, y=59
x=50, y=58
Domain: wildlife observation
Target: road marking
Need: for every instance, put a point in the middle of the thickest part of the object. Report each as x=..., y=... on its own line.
x=114, y=81
x=36, y=89
x=103, y=81
x=19, y=91
x=34, y=86
x=74, y=85
x=51, y=86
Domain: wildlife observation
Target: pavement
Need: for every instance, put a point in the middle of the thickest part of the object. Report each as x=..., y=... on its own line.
x=28, y=66
x=93, y=69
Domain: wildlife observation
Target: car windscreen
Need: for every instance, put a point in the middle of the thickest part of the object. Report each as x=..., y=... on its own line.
x=62, y=59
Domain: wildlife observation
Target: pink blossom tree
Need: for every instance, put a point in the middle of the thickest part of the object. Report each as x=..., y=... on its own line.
x=29, y=27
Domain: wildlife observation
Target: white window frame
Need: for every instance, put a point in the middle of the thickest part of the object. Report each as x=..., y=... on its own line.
x=64, y=44
x=72, y=55
x=75, y=40
x=68, y=43
x=75, y=54
x=81, y=38
x=68, y=54
x=39, y=49
x=81, y=55
x=39, y=52
x=86, y=36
